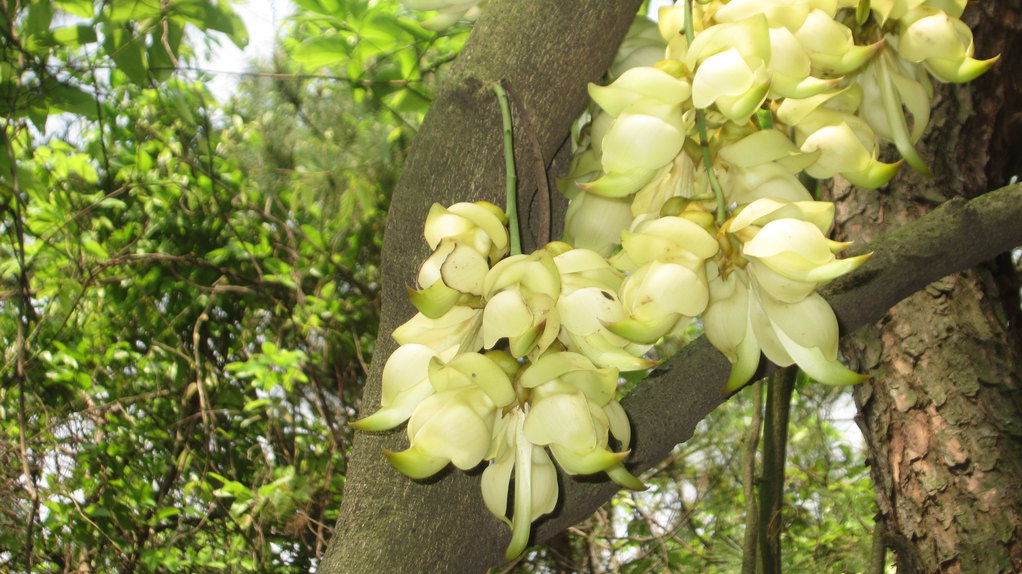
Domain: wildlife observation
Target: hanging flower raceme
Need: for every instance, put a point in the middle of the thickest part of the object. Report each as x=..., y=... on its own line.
x=763, y=291
x=464, y=407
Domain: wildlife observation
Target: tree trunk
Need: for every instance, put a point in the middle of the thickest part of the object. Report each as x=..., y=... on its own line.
x=545, y=52
x=942, y=415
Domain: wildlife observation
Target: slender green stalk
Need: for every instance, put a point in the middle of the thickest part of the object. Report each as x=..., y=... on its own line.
x=704, y=146
x=512, y=175
x=704, y=140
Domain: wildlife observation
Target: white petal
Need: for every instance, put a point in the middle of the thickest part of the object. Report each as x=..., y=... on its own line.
x=641, y=141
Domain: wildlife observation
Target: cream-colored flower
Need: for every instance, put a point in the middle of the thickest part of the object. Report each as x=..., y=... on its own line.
x=535, y=480
x=660, y=299
x=763, y=294
x=574, y=412
x=455, y=424
x=764, y=163
x=595, y=222
x=479, y=225
x=521, y=295
x=731, y=63
x=452, y=275
x=846, y=146
x=785, y=246
x=458, y=328
x=743, y=320
x=642, y=46
x=585, y=315
x=669, y=239
x=830, y=46
x=405, y=385
x=648, y=130
x=581, y=268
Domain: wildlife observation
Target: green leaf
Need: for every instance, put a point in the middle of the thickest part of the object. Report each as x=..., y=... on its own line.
x=133, y=10
x=92, y=246
x=255, y=404
x=126, y=50
x=165, y=513
x=40, y=15
x=74, y=36
x=163, y=63
x=80, y=8
x=321, y=51
x=70, y=99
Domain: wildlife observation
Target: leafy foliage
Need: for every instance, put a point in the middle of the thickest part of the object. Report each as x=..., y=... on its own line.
x=189, y=291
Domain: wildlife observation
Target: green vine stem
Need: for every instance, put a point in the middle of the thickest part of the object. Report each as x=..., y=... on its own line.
x=512, y=176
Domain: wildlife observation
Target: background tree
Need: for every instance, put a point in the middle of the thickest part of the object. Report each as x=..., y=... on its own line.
x=388, y=522
x=941, y=415
x=188, y=292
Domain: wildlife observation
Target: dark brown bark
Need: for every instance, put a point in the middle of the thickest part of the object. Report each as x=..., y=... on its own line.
x=545, y=52
x=943, y=413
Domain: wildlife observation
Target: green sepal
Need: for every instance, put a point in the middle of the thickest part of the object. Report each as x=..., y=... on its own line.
x=620, y=475
x=414, y=463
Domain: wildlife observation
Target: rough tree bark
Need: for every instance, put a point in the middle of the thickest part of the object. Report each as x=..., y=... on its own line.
x=545, y=52
x=943, y=414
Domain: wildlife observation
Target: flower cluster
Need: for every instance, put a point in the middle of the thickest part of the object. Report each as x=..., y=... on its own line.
x=693, y=165
x=508, y=361
x=687, y=200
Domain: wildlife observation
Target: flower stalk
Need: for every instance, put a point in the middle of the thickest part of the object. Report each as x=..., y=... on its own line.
x=704, y=139
x=509, y=165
